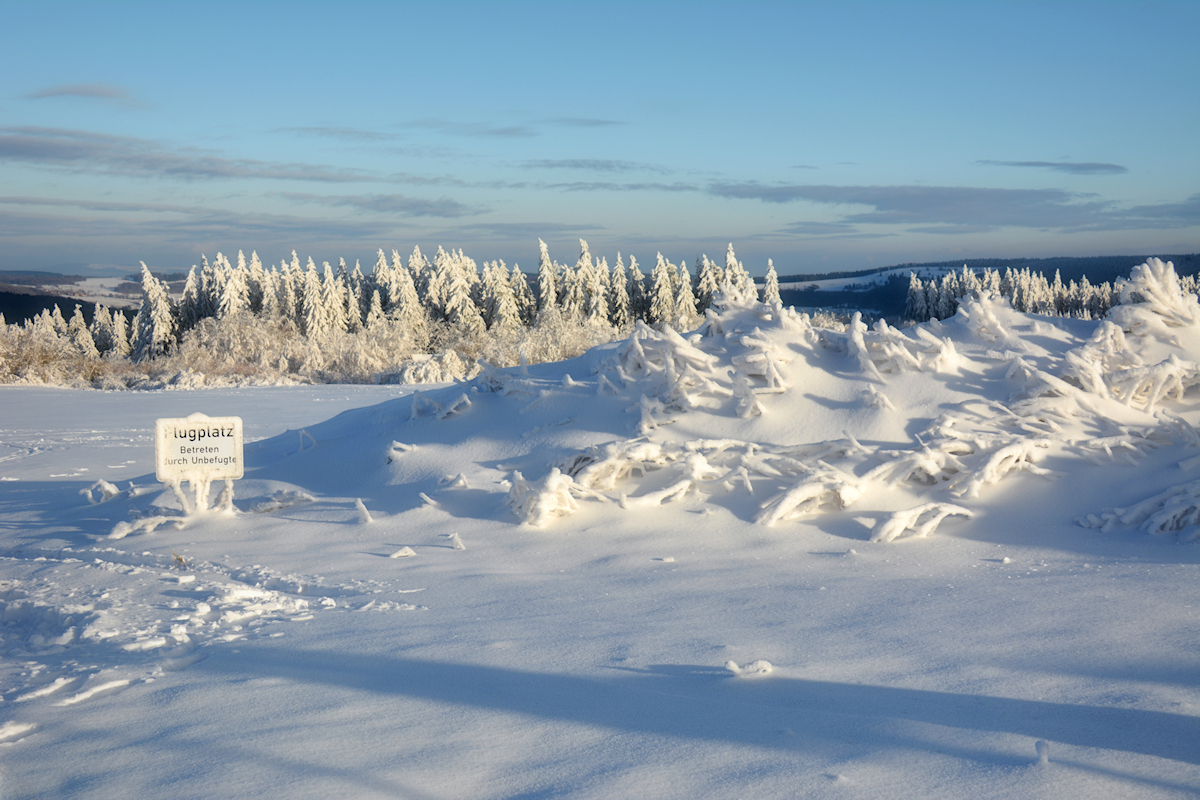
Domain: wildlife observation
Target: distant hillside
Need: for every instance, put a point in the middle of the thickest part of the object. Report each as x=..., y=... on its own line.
x=18, y=304
x=31, y=277
x=1097, y=268
x=883, y=291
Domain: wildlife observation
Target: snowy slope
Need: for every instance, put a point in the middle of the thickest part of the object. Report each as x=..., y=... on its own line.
x=760, y=560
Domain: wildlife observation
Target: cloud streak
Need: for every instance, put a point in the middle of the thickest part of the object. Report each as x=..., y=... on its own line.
x=1070, y=167
x=90, y=91
x=944, y=209
x=87, y=152
x=398, y=204
x=594, y=165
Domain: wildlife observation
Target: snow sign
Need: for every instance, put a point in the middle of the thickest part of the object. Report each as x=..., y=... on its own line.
x=198, y=449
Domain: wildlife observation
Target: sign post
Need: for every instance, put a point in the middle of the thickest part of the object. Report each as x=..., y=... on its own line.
x=199, y=449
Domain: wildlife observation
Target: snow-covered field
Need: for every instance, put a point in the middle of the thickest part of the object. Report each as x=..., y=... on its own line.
x=762, y=560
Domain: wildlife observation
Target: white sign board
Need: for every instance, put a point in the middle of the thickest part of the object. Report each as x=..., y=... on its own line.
x=198, y=449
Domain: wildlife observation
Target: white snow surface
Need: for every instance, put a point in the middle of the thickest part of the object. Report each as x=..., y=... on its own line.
x=759, y=560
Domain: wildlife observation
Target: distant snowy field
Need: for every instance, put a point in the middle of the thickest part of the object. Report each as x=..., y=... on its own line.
x=762, y=560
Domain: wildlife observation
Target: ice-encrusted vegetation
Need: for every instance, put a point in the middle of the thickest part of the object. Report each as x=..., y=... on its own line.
x=1105, y=393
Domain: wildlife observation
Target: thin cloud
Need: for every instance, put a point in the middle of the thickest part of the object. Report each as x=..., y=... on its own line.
x=87, y=152
x=820, y=228
x=392, y=204
x=473, y=128
x=952, y=208
x=607, y=186
x=526, y=230
x=580, y=122
x=1071, y=167
x=344, y=134
x=803, y=166
x=200, y=223
x=105, y=92
x=594, y=165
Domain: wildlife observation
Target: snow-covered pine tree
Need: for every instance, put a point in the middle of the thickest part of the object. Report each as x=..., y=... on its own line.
x=155, y=323
x=771, y=285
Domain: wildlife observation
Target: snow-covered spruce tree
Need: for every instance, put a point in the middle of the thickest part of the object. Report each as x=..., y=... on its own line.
x=685, y=302
x=155, y=323
x=235, y=294
x=102, y=329
x=547, y=278
x=771, y=285
x=56, y=319
x=662, y=294
x=639, y=297
x=708, y=283
x=312, y=305
x=738, y=287
x=333, y=296
x=618, y=299
x=190, y=305
x=439, y=277
x=526, y=302
x=120, y=345
x=255, y=280
x=572, y=298
x=381, y=275
x=80, y=335
x=915, y=307
x=504, y=312
x=460, y=309
x=375, y=313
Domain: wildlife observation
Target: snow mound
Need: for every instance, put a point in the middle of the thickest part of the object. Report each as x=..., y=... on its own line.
x=927, y=423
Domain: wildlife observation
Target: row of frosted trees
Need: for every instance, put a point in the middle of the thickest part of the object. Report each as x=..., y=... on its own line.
x=450, y=291
x=410, y=320
x=1028, y=291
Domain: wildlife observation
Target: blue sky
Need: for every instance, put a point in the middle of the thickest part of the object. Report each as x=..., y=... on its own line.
x=825, y=136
